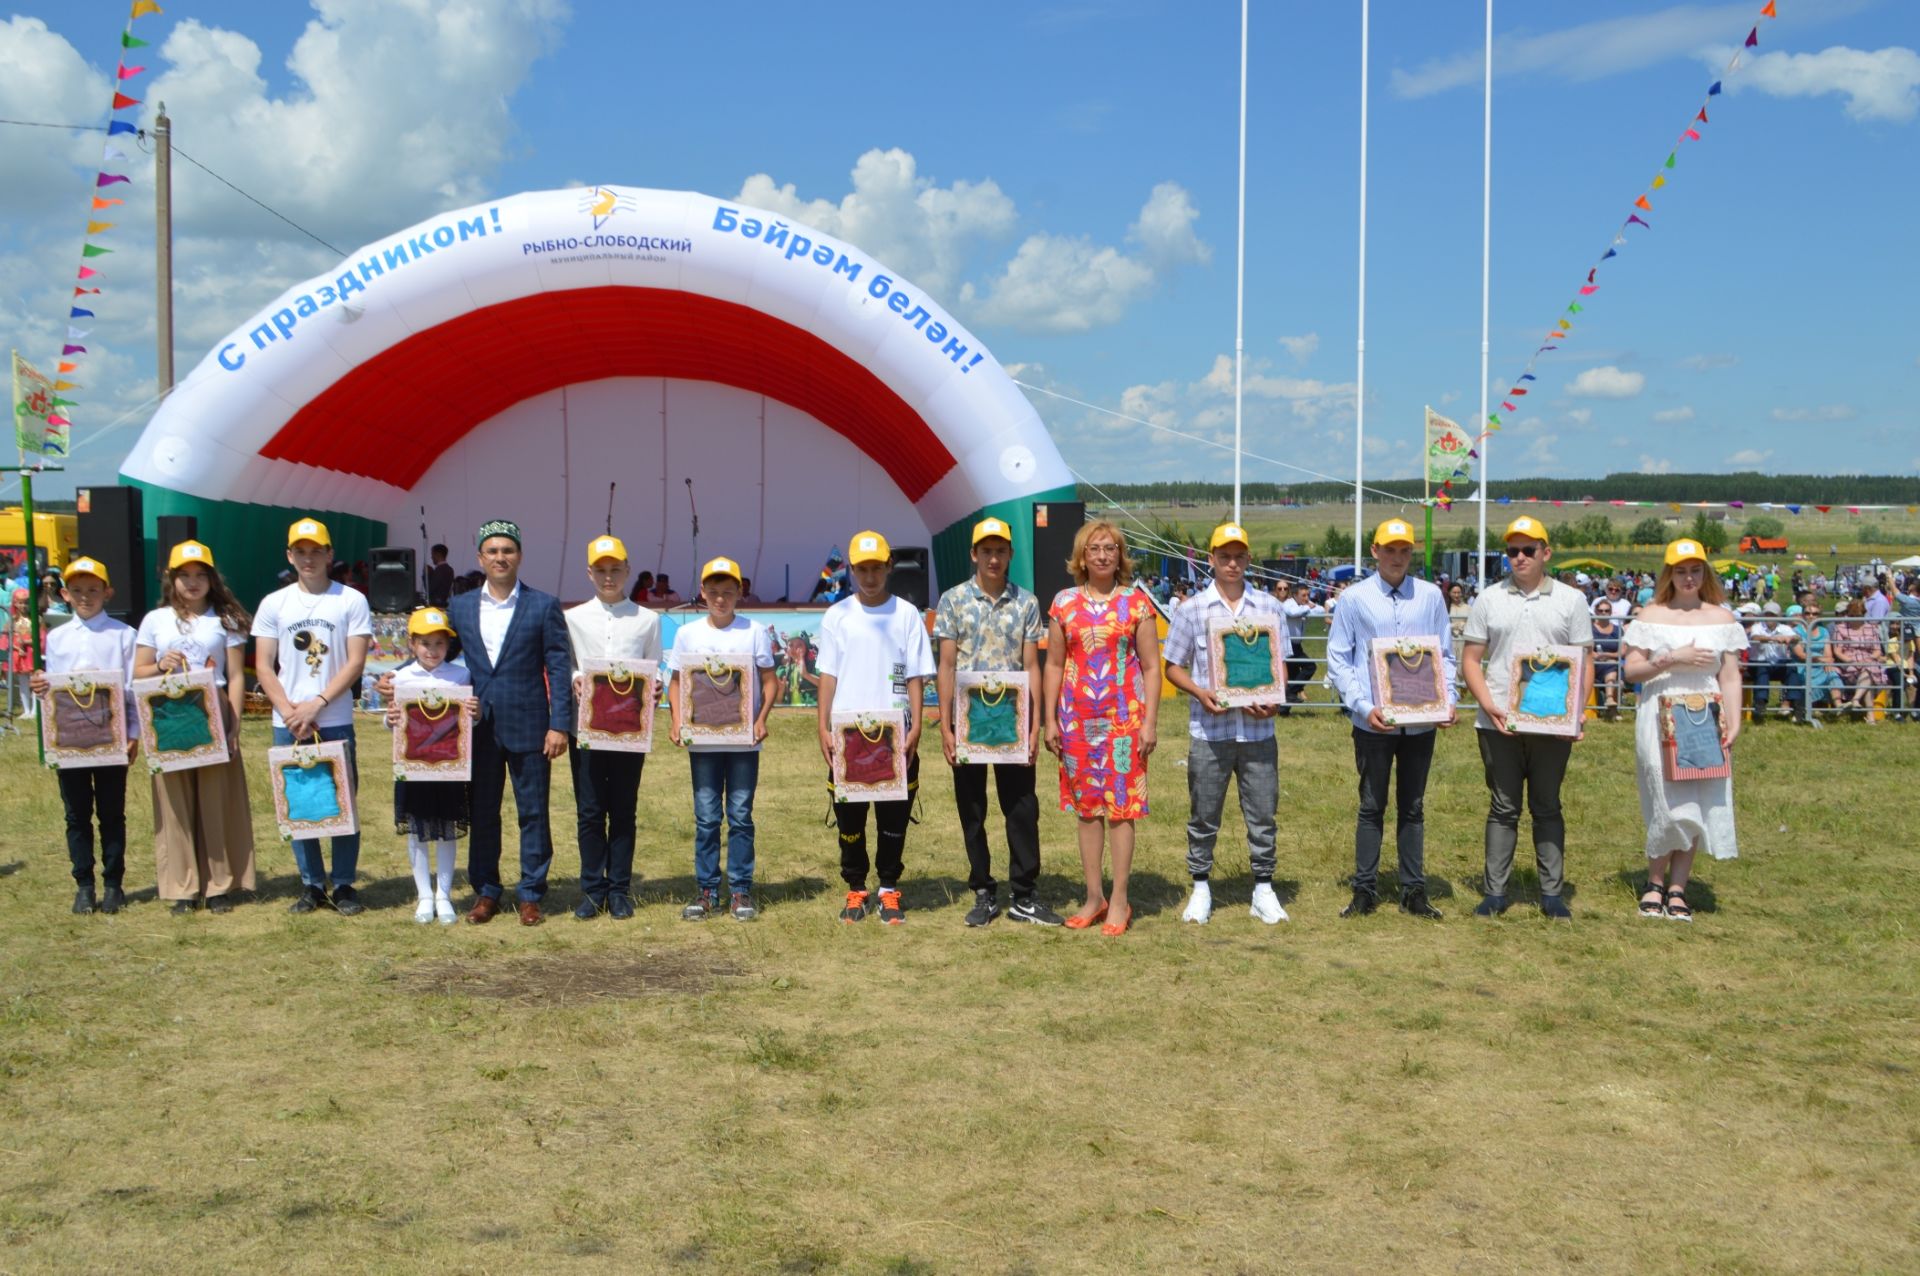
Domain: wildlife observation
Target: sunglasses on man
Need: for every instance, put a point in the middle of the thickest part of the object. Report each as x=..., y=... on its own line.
x=1522, y=551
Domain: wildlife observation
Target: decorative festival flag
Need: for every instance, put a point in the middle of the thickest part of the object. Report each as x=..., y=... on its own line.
x=1446, y=440
x=1635, y=217
x=1702, y=117
x=93, y=250
x=1528, y=376
x=108, y=179
x=1642, y=202
x=32, y=405
x=128, y=72
x=121, y=101
x=111, y=153
x=65, y=385
x=1659, y=180
x=141, y=8
x=1611, y=252
x=1589, y=289
x=1693, y=134
x=1516, y=391
x=98, y=228
x=100, y=204
x=1823, y=508
x=120, y=126
x=70, y=348
x=1753, y=38
x=88, y=272
x=128, y=40
x=1509, y=407
x=1595, y=270
x=1715, y=90
x=1670, y=155
x=1768, y=12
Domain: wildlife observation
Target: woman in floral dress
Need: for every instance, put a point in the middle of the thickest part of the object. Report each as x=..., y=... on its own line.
x=1101, y=712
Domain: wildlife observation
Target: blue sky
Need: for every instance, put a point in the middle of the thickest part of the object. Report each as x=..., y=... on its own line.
x=1063, y=177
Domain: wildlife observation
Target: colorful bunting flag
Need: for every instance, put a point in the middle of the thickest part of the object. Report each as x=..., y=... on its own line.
x=108, y=179
x=1753, y=38
x=141, y=8
x=128, y=72
x=94, y=250
x=121, y=101
x=128, y=40
x=120, y=126
x=1642, y=202
x=1659, y=180
x=1641, y=220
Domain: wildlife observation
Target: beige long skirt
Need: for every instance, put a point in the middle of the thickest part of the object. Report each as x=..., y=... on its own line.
x=202, y=825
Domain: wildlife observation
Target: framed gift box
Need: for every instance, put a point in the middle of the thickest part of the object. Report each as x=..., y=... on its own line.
x=991, y=719
x=716, y=700
x=181, y=726
x=869, y=757
x=1247, y=658
x=1409, y=681
x=1690, y=747
x=83, y=719
x=434, y=740
x=615, y=707
x=1545, y=697
x=312, y=794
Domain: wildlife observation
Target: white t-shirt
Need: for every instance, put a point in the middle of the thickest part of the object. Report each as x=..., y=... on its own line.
x=446, y=675
x=312, y=630
x=698, y=639
x=872, y=651
x=200, y=639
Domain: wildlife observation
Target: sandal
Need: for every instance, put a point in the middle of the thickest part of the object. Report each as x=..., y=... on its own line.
x=1677, y=905
x=1656, y=907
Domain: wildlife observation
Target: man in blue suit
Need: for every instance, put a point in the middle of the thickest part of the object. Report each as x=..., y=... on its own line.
x=515, y=641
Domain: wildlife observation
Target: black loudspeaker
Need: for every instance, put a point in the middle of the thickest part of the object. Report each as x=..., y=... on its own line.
x=391, y=586
x=169, y=530
x=1291, y=569
x=111, y=530
x=1055, y=524
x=911, y=579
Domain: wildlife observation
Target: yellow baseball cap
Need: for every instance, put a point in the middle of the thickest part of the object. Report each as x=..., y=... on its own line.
x=86, y=567
x=722, y=566
x=1683, y=549
x=1395, y=531
x=1228, y=534
x=429, y=620
x=868, y=547
x=189, y=552
x=309, y=529
x=605, y=547
x=992, y=527
x=1526, y=525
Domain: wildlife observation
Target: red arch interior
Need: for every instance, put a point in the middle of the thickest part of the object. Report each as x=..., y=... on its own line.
x=392, y=416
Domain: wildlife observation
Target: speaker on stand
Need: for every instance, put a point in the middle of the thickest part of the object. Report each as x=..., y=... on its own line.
x=391, y=580
x=1055, y=524
x=169, y=530
x=111, y=530
x=912, y=579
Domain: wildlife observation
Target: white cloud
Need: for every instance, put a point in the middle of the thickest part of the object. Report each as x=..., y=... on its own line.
x=1585, y=52
x=1303, y=346
x=1750, y=458
x=1674, y=416
x=1607, y=382
x=1709, y=362
x=1825, y=412
x=1582, y=417
x=1655, y=464
x=1882, y=85
x=42, y=77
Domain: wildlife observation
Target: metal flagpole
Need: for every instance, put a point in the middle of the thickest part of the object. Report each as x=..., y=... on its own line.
x=1240, y=282
x=1360, y=345
x=1486, y=259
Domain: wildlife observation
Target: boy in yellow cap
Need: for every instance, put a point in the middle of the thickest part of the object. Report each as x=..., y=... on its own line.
x=1524, y=611
x=724, y=775
x=1226, y=743
x=310, y=648
x=93, y=642
x=606, y=782
x=874, y=658
x=988, y=624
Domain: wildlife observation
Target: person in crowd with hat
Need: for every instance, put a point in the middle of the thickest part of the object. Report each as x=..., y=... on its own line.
x=606, y=782
x=1102, y=712
x=1525, y=611
x=97, y=644
x=202, y=825
x=310, y=648
x=1225, y=743
x=433, y=815
x=724, y=775
x=1770, y=646
x=989, y=624
x=1388, y=604
x=514, y=639
x=1685, y=642
x=874, y=658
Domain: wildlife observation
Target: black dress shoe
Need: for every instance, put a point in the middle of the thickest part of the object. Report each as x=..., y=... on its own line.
x=587, y=909
x=346, y=902
x=183, y=907
x=1552, y=906
x=1362, y=904
x=620, y=906
x=1415, y=903
x=1491, y=906
x=219, y=903
x=114, y=900
x=312, y=899
x=83, y=901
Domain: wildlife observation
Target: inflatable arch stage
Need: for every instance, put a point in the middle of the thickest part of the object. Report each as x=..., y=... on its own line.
x=514, y=359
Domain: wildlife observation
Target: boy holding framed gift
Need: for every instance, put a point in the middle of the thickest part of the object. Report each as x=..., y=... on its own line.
x=874, y=661
x=606, y=782
x=725, y=772
x=987, y=625
x=94, y=651
x=1522, y=614
x=1227, y=742
x=1390, y=656
x=310, y=648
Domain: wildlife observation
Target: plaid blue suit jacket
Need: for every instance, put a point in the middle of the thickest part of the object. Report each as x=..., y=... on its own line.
x=530, y=691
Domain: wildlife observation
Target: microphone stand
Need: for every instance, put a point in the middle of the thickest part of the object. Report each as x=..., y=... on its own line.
x=695, y=512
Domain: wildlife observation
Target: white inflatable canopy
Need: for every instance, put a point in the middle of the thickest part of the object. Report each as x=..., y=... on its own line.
x=513, y=359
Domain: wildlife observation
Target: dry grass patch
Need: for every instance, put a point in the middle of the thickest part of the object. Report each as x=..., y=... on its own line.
x=572, y=980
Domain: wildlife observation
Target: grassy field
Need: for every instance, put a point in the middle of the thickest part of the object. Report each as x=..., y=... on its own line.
x=319, y=1094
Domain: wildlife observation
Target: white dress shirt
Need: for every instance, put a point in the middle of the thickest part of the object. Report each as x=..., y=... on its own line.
x=612, y=631
x=100, y=643
x=495, y=619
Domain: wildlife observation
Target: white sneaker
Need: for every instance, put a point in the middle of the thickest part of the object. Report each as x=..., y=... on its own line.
x=424, y=912
x=1200, y=907
x=443, y=911
x=1266, y=905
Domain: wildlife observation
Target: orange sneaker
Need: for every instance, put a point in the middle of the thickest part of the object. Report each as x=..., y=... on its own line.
x=856, y=909
x=891, y=913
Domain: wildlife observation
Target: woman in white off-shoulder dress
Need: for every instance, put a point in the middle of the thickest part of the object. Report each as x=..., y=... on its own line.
x=1684, y=641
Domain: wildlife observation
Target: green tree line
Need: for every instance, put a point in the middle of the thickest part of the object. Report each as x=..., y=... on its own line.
x=1754, y=489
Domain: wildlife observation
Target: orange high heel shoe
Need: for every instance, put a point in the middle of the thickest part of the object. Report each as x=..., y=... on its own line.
x=1119, y=927
x=1077, y=922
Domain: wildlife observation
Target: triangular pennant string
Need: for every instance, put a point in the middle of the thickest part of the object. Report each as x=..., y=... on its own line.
x=120, y=126
x=128, y=40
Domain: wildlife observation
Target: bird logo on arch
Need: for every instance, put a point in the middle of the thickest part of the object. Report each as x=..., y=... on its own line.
x=603, y=202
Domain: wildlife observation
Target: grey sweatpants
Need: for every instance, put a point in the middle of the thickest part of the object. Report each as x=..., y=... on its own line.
x=1535, y=764
x=1254, y=766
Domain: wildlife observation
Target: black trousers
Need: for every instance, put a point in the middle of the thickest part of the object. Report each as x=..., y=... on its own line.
x=606, y=791
x=890, y=819
x=1374, y=756
x=1021, y=810
x=1299, y=674
x=90, y=792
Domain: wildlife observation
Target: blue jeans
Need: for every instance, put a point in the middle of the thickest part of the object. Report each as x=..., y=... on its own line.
x=346, y=850
x=735, y=774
